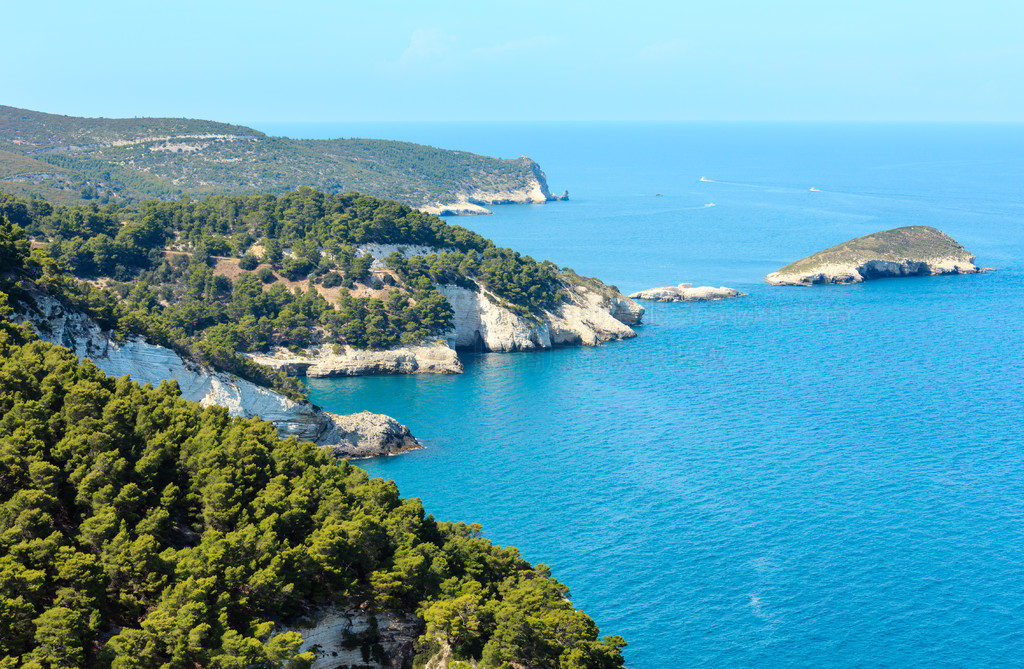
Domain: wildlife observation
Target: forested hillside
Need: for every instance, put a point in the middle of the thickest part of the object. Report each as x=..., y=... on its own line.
x=137, y=530
x=68, y=159
x=232, y=274
x=141, y=530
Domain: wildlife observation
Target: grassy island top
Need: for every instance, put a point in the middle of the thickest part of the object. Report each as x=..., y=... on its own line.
x=913, y=242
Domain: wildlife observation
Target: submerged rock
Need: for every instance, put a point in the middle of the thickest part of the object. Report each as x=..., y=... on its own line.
x=685, y=292
x=915, y=250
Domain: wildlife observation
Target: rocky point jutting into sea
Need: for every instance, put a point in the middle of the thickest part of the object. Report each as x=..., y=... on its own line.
x=915, y=250
x=592, y=313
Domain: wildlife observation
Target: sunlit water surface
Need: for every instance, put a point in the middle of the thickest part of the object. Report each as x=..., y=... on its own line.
x=825, y=477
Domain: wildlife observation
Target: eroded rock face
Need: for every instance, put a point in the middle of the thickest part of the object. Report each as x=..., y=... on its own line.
x=429, y=358
x=533, y=190
x=337, y=637
x=365, y=434
x=626, y=311
x=915, y=250
x=589, y=318
x=685, y=292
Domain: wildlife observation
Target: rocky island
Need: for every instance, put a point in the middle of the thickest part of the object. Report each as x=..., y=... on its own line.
x=685, y=292
x=915, y=250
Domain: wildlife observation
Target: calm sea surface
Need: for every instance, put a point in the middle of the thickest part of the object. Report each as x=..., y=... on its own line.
x=801, y=477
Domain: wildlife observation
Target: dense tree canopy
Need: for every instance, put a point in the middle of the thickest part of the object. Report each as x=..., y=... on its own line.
x=156, y=270
x=141, y=530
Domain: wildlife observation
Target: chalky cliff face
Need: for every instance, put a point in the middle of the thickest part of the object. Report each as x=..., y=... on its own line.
x=587, y=318
x=916, y=250
x=355, y=436
x=480, y=323
x=528, y=186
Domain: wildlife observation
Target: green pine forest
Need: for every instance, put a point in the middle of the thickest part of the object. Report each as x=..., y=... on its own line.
x=141, y=530
x=155, y=269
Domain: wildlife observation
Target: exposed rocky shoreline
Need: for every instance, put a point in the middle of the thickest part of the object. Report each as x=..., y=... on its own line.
x=435, y=357
x=916, y=250
x=588, y=318
x=685, y=292
x=360, y=435
x=474, y=203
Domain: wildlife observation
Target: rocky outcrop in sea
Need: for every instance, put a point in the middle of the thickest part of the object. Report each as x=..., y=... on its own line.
x=916, y=250
x=685, y=292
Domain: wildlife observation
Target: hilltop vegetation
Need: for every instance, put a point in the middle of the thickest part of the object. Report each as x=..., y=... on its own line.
x=156, y=269
x=68, y=159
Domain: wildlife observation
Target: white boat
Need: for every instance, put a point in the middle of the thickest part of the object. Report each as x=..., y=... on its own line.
x=815, y=189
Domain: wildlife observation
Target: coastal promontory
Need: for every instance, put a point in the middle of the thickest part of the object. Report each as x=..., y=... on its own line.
x=915, y=250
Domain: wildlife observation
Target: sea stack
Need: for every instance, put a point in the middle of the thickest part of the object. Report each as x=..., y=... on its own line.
x=914, y=250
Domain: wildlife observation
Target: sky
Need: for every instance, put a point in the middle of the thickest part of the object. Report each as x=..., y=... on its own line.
x=392, y=60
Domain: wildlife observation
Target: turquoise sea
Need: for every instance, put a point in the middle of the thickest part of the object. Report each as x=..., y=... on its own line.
x=801, y=477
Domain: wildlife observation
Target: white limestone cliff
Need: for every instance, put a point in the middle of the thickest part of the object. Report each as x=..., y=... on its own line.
x=588, y=318
x=431, y=357
x=336, y=637
x=533, y=190
x=361, y=435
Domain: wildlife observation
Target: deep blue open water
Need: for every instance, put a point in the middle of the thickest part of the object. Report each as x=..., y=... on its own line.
x=801, y=477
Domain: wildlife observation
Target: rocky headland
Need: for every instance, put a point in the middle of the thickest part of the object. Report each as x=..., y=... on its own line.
x=59, y=157
x=533, y=189
x=685, y=292
x=482, y=322
x=589, y=317
x=916, y=250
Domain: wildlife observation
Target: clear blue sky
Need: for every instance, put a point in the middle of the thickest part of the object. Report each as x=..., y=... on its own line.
x=388, y=60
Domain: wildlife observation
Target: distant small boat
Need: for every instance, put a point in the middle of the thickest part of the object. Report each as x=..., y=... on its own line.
x=710, y=204
x=815, y=189
x=658, y=195
x=705, y=179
